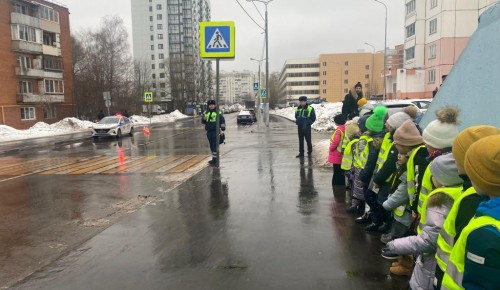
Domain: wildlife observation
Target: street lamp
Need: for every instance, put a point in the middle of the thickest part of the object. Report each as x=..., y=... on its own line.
x=258, y=91
x=267, y=62
x=371, y=73
x=385, y=48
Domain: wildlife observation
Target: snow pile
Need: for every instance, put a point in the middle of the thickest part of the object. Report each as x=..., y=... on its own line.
x=175, y=115
x=178, y=115
x=324, y=115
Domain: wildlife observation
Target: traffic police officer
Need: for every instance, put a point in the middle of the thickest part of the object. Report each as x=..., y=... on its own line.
x=209, y=118
x=304, y=118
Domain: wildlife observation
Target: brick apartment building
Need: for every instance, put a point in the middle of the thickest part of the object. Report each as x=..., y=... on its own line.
x=36, y=71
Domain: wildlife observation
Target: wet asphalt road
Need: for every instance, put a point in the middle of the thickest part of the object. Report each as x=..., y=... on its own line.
x=264, y=220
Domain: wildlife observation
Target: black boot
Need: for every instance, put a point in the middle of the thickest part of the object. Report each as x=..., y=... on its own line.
x=373, y=227
x=384, y=228
x=213, y=162
x=364, y=219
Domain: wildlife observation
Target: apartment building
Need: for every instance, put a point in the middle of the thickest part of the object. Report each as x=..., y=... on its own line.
x=36, y=76
x=436, y=32
x=166, y=37
x=299, y=77
x=236, y=87
x=339, y=72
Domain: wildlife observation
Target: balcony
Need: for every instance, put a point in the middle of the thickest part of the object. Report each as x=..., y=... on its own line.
x=33, y=98
x=18, y=18
x=26, y=46
x=29, y=72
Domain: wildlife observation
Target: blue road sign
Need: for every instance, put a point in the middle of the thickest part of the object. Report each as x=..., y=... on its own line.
x=255, y=86
x=263, y=93
x=217, y=39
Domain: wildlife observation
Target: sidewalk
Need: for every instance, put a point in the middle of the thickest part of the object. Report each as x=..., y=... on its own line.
x=264, y=220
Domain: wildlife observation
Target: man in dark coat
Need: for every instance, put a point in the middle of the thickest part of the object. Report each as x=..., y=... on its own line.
x=304, y=118
x=350, y=103
x=209, y=118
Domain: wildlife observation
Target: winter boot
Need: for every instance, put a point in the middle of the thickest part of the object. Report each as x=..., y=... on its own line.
x=213, y=162
x=354, y=205
x=400, y=270
x=406, y=261
x=395, y=264
x=339, y=193
x=361, y=207
x=364, y=219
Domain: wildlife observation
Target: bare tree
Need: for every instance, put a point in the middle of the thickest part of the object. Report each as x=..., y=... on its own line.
x=102, y=63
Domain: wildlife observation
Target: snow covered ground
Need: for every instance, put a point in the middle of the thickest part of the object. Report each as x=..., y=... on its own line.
x=72, y=125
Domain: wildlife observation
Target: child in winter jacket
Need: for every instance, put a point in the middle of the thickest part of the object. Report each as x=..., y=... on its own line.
x=335, y=155
x=446, y=179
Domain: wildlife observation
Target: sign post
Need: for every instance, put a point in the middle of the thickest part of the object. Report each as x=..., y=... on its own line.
x=217, y=40
x=148, y=98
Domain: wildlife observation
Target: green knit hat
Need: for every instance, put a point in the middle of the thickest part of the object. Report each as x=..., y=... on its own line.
x=375, y=122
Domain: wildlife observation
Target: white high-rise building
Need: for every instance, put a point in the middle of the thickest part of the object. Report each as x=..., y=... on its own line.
x=299, y=77
x=166, y=40
x=436, y=32
x=236, y=87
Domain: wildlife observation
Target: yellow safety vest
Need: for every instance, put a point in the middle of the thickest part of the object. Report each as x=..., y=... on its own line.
x=446, y=238
x=347, y=157
x=210, y=116
x=385, y=148
x=400, y=210
x=425, y=189
x=452, y=192
x=411, y=179
x=360, y=158
x=301, y=111
x=454, y=275
x=340, y=146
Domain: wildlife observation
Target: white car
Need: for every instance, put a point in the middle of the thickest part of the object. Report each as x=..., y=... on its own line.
x=113, y=126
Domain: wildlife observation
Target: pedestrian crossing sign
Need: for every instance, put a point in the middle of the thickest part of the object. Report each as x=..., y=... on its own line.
x=148, y=97
x=263, y=93
x=217, y=39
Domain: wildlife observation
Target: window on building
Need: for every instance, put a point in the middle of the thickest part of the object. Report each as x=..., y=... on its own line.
x=162, y=75
x=346, y=82
x=410, y=30
x=25, y=87
x=160, y=45
x=410, y=53
x=432, y=76
x=24, y=61
x=48, y=13
x=367, y=76
x=23, y=32
x=175, y=48
x=152, y=47
x=410, y=7
x=151, y=28
x=150, y=8
x=153, y=85
x=367, y=86
x=324, y=63
x=433, y=25
x=152, y=37
x=161, y=65
x=434, y=3
x=159, y=16
x=152, y=66
x=160, y=36
x=173, y=8
x=28, y=113
x=174, y=28
x=367, y=67
x=21, y=8
x=152, y=57
x=324, y=91
x=346, y=72
x=162, y=85
x=346, y=63
x=324, y=72
x=159, y=26
x=161, y=56
x=49, y=112
x=432, y=51
x=346, y=91
x=52, y=62
x=54, y=86
x=153, y=76
x=158, y=6
x=151, y=18
x=174, y=38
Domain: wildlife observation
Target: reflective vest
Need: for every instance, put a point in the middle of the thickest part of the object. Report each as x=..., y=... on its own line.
x=446, y=238
x=400, y=210
x=340, y=146
x=347, y=157
x=411, y=179
x=425, y=189
x=210, y=116
x=453, y=192
x=360, y=158
x=301, y=111
x=455, y=270
x=385, y=148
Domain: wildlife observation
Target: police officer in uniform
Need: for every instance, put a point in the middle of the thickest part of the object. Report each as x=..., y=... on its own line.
x=209, y=118
x=304, y=118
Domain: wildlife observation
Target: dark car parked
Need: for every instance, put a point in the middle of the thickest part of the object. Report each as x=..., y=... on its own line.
x=252, y=112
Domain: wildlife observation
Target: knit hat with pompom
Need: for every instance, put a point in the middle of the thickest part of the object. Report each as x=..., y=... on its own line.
x=440, y=133
x=375, y=122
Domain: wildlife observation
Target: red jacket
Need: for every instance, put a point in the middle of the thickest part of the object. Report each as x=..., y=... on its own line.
x=334, y=156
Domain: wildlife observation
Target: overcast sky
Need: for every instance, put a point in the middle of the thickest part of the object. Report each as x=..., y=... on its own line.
x=297, y=28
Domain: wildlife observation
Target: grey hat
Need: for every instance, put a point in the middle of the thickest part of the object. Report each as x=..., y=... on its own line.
x=444, y=170
x=397, y=119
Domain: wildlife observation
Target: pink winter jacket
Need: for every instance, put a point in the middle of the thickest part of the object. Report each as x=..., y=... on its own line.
x=334, y=156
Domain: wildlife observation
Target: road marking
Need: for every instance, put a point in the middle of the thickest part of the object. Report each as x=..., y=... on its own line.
x=186, y=165
x=114, y=160
x=129, y=165
x=73, y=165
